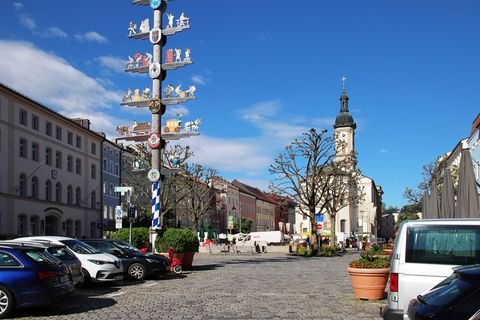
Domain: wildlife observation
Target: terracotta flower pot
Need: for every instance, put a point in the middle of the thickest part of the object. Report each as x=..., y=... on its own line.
x=369, y=284
x=187, y=260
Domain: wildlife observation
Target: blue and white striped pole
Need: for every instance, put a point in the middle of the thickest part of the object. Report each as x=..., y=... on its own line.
x=155, y=205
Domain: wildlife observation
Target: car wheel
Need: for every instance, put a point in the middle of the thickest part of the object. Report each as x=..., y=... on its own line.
x=178, y=269
x=86, y=277
x=137, y=271
x=6, y=302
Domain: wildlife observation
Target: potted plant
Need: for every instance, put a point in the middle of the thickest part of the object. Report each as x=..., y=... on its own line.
x=183, y=240
x=369, y=276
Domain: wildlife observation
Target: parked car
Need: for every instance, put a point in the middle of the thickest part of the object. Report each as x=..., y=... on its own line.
x=63, y=253
x=424, y=254
x=138, y=265
x=30, y=276
x=96, y=266
x=457, y=297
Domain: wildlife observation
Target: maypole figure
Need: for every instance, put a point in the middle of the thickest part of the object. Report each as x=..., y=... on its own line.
x=187, y=55
x=132, y=28
x=170, y=20
x=178, y=55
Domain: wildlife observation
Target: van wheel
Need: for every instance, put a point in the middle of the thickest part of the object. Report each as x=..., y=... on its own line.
x=6, y=302
x=137, y=271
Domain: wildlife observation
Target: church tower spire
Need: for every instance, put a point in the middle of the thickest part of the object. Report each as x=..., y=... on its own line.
x=344, y=127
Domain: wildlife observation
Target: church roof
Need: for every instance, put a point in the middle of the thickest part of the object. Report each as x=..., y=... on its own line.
x=344, y=118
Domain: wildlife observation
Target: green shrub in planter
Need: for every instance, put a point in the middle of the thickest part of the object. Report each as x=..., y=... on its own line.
x=182, y=239
x=140, y=236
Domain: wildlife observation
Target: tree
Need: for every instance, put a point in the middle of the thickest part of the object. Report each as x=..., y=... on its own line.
x=199, y=194
x=134, y=171
x=309, y=173
x=432, y=175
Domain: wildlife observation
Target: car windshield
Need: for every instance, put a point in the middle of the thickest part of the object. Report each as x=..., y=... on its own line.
x=125, y=246
x=449, y=291
x=79, y=247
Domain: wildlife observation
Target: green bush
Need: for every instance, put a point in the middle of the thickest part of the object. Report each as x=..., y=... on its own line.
x=182, y=239
x=328, y=251
x=139, y=236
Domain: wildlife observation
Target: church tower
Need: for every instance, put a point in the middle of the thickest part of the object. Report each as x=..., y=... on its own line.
x=344, y=127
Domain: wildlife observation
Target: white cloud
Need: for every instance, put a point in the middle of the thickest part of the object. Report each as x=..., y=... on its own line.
x=383, y=151
x=54, y=32
x=261, y=111
x=199, y=80
x=28, y=22
x=113, y=63
x=17, y=6
x=241, y=156
x=50, y=80
x=91, y=36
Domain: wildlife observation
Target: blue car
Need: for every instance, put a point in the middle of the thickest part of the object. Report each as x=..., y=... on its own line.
x=457, y=297
x=30, y=276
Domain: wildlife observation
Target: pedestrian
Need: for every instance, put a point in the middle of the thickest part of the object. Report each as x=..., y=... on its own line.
x=308, y=241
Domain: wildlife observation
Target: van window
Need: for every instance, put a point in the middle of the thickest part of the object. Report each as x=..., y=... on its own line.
x=453, y=245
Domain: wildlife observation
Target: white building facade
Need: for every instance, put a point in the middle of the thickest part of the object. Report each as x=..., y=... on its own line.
x=50, y=171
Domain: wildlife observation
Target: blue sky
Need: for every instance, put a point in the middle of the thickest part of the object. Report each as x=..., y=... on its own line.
x=265, y=72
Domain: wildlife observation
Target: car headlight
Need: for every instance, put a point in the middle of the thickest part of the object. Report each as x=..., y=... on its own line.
x=99, y=262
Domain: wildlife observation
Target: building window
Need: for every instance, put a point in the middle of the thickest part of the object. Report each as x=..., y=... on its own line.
x=48, y=190
x=58, y=159
x=34, y=226
x=35, y=122
x=79, y=142
x=78, y=166
x=70, y=138
x=70, y=164
x=69, y=229
x=94, y=171
x=58, y=192
x=22, y=185
x=78, y=228
x=23, y=148
x=342, y=225
x=94, y=148
x=58, y=133
x=78, y=197
x=104, y=164
x=69, y=195
x=93, y=200
x=35, y=188
x=117, y=169
x=35, y=151
x=48, y=129
x=22, y=225
x=48, y=156
x=22, y=117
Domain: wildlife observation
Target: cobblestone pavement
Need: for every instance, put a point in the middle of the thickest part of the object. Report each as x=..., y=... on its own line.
x=262, y=286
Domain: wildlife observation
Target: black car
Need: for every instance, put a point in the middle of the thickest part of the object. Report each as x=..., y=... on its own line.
x=457, y=297
x=138, y=265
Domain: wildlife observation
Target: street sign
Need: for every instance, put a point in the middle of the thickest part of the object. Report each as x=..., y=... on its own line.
x=319, y=226
x=123, y=190
x=319, y=217
x=118, y=217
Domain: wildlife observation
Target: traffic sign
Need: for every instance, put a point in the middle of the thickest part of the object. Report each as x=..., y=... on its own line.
x=319, y=226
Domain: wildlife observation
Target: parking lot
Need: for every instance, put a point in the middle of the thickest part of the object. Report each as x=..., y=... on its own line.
x=261, y=286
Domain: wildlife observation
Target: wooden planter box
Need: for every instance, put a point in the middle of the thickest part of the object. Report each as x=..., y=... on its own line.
x=369, y=284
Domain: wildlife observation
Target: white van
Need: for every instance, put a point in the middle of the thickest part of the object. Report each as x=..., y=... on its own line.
x=424, y=254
